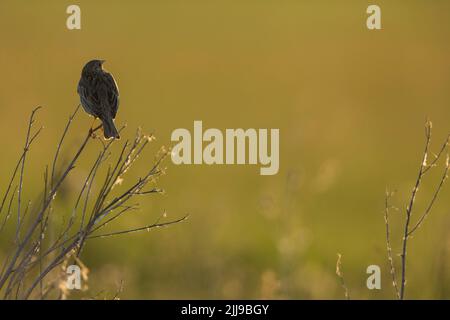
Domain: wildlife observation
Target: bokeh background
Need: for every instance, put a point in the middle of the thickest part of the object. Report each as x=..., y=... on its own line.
x=350, y=104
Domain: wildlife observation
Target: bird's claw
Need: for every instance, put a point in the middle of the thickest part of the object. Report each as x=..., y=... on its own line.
x=93, y=130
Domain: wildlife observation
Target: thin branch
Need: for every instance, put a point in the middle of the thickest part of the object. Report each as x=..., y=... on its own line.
x=8, y=212
x=410, y=206
x=433, y=200
x=30, y=262
x=47, y=203
x=146, y=228
x=114, y=217
x=58, y=148
x=388, y=243
x=438, y=156
x=408, y=231
x=41, y=236
x=22, y=169
x=340, y=274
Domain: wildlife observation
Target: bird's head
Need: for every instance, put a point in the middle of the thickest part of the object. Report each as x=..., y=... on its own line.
x=93, y=66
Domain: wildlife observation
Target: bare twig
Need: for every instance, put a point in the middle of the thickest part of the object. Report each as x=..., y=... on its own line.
x=410, y=206
x=28, y=140
x=340, y=274
x=58, y=148
x=408, y=230
x=146, y=228
x=388, y=243
x=433, y=199
x=30, y=262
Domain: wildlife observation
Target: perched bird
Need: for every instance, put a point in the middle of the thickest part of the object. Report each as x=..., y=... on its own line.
x=99, y=96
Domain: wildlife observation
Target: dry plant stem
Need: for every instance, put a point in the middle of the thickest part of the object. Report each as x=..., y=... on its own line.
x=29, y=141
x=438, y=156
x=433, y=199
x=8, y=213
x=22, y=169
x=155, y=225
x=119, y=291
x=21, y=163
x=409, y=209
x=59, y=259
x=340, y=274
x=41, y=235
x=47, y=202
x=18, y=267
x=58, y=148
x=389, y=247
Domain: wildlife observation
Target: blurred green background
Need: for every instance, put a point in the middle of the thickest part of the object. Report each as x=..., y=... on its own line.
x=350, y=104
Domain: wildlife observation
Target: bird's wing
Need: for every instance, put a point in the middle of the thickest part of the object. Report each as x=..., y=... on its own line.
x=89, y=98
x=113, y=93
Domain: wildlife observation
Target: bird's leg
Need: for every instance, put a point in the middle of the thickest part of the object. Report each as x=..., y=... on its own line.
x=92, y=129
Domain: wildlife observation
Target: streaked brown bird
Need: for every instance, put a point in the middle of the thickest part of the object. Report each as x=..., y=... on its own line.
x=99, y=96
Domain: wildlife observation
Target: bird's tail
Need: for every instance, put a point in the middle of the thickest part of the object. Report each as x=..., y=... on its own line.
x=109, y=129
